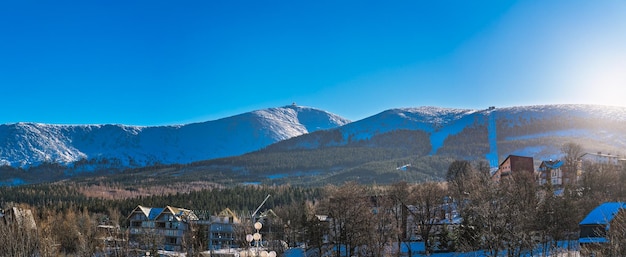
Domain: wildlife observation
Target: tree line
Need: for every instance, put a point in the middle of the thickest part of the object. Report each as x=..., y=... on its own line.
x=511, y=217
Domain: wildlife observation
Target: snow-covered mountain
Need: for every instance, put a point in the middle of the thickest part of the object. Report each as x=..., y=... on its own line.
x=27, y=144
x=492, y=133
x=537, y=131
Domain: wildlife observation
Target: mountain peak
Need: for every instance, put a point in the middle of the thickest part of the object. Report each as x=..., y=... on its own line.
x=24, y=144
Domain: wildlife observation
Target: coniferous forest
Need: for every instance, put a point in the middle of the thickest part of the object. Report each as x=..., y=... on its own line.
x=506, y=218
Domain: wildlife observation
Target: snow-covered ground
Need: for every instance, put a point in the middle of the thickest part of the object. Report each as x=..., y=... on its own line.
x=417, y=248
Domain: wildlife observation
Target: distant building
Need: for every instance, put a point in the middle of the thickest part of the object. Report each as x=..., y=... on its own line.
x=160, y=227
x=513, y=164
x=167, y=228
x=552, y=172
x=111, y=239
x=221, y=231
x=600, y=162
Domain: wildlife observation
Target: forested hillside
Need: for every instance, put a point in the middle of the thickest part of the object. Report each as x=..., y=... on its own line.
x=370, y=150
x=515, y=215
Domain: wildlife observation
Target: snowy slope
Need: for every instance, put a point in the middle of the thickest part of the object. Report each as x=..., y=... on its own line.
x=540, y=130
x=536, y=131
x=439, y=122
x=25, y=144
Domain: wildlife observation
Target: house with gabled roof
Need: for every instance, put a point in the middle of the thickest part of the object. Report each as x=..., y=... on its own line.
x=162, y=228
x=221, y=231
x=552, y=172
x=594, y=228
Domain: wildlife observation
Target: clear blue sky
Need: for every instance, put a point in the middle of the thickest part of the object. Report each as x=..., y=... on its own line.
x=173, y=62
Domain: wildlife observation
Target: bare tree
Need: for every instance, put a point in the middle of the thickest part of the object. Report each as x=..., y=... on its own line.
x=556, y=218
x=399, y=193
x=151, y=240
x=472, y=204
x=18, y=233
x=196, y=238
x=292, y=219
x=47, y=243
x=427, y=199
x=616, y=245
x=350, y=211
x=315, y=231
x=457, y=178
x=240, y=230
x=115, y=241
x=384, y=222
x=572, y=153
x=596, y=186
x=86, y=226
x=499, y=216
x=521, y=204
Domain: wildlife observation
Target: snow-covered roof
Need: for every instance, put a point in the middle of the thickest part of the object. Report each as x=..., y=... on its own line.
x=180, y=214
x=153, y=213
x=603, y=214
x=552, y=164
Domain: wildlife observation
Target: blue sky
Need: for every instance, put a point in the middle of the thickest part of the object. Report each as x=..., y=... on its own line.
x=173, y=62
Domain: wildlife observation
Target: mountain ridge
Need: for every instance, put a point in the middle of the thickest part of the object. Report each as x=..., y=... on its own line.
x=24, y=144
x=304, y=140
x=510, y=123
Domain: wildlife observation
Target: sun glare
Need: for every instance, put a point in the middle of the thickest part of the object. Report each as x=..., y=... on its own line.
x=600, y=77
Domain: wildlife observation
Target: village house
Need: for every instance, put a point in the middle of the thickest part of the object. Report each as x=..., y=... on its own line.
x=221, y=231
x=163, y=228
x=556, y=173
x=513, y=164
x=594, y=228
x=552, y=172
x=167, y=228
